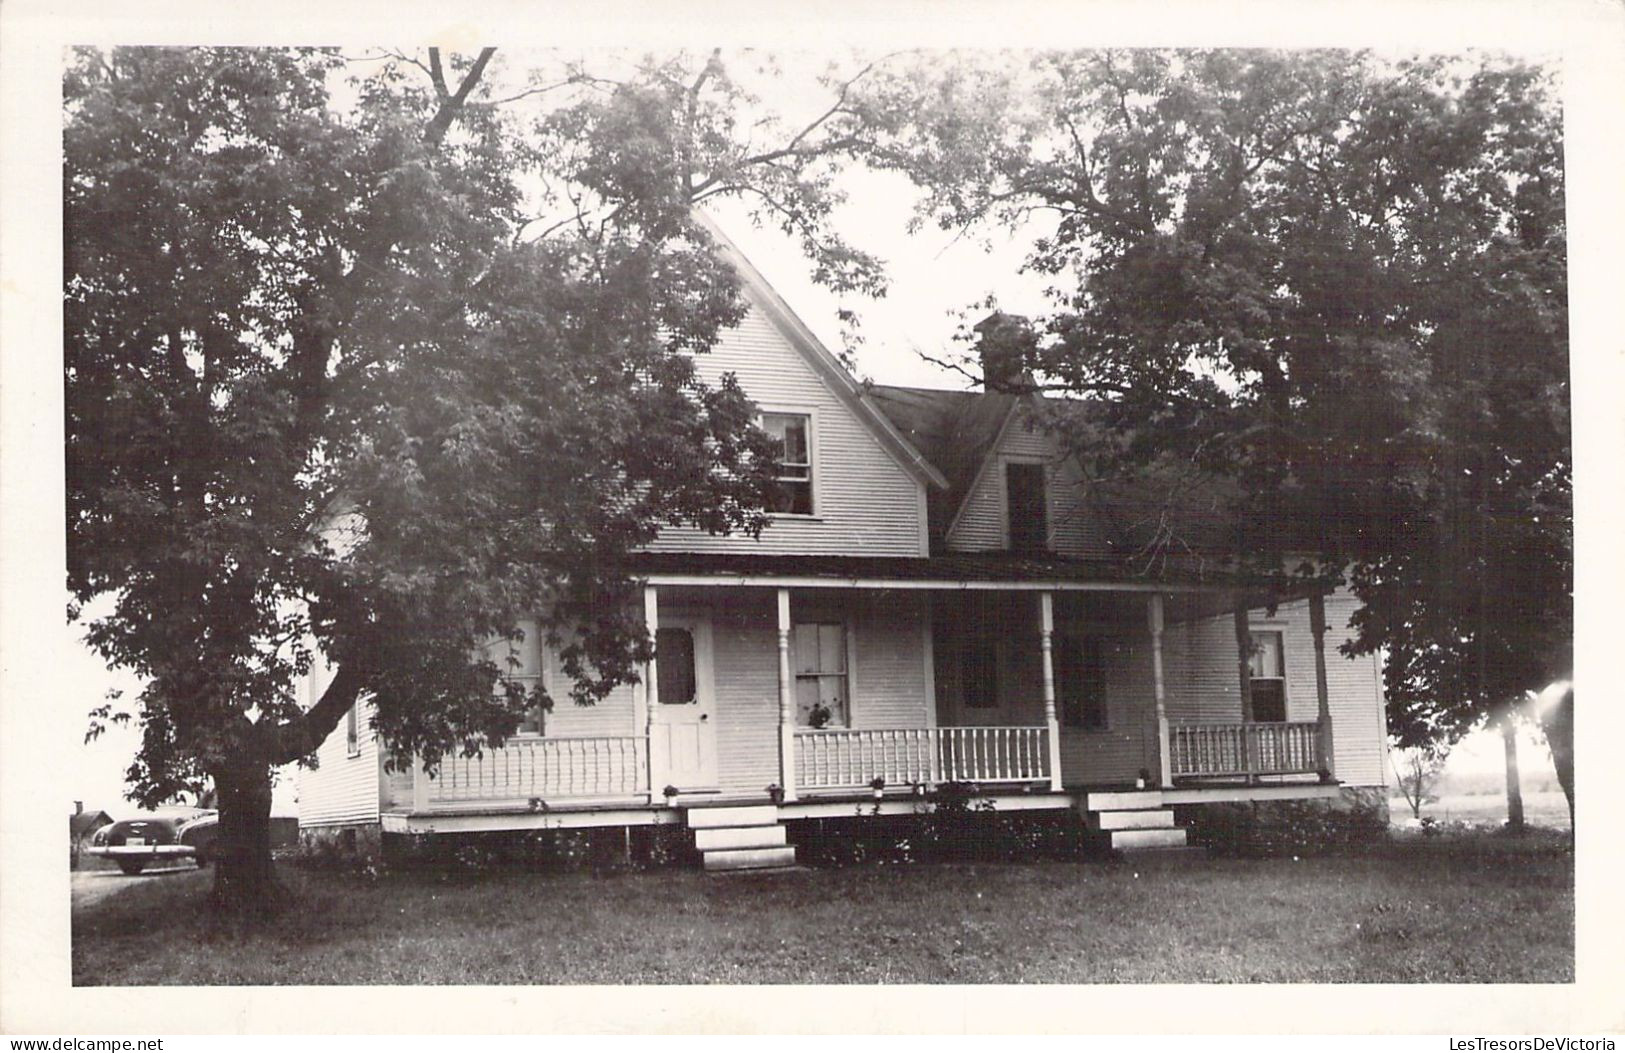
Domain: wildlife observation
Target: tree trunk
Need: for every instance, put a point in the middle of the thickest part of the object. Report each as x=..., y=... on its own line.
x=1557, y=721
x=245, y=884
x=1509, y=745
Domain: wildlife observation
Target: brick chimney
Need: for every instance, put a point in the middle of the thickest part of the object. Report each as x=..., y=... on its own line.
x=78, y=807
x=1005, y=343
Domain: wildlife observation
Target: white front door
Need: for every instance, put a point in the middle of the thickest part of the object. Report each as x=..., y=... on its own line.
x=684, y=730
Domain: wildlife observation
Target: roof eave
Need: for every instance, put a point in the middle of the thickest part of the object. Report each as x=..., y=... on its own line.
x=762, y=293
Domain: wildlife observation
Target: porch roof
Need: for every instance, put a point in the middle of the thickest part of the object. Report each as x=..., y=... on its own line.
x=982, y=570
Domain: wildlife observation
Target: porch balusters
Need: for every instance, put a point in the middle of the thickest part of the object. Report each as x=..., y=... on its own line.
x=787, y=706
x=1052, y=723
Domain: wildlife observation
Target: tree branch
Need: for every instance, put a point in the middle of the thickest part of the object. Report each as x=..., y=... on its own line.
x=451, y=105
x=286, y=743
x=438, y=75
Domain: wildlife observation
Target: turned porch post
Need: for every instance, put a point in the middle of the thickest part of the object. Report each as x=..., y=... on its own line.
x=787, y=703
x=1052, y=722
x=1317, y=626
x=1159, y=687
x=1244, y=672
x=420, y=785
x=651, y=688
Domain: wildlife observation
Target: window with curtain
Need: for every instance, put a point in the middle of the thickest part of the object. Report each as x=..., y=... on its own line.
x=820, y=668
x=1268, y=673
x=793, y=433
x=520, y=662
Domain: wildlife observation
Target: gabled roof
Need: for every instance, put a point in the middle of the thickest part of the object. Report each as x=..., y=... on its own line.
x=763, y=295
x=81, y=823
x=957, y=430
x=961, y=430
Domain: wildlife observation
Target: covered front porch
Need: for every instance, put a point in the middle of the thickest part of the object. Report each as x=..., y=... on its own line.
x=888, y=679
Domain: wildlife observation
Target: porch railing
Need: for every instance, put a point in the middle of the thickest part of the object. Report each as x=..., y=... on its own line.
x=1288, y=748
x=842, y=759
x=585, y=766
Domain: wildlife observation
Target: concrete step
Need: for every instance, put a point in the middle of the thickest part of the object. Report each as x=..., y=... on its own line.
x=1174, y=855
x=1121, y=800
x=711, y=838
x=740, y=815
x=1130, y=840
x=1154, y=819
x=750, y=858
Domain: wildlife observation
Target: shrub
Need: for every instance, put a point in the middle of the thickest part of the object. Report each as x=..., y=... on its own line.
x=958, y=824
x=1269, y=828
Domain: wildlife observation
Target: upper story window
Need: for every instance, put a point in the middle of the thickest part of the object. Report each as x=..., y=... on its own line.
x=1027, y=505
x=1267, y=671
x=793, y=432
x=352, y=732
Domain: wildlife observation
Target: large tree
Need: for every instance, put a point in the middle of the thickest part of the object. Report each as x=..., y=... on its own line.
x=1333, y=281
x=379, y=365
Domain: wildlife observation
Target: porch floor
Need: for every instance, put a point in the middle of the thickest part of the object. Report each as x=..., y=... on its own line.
x=518, y=815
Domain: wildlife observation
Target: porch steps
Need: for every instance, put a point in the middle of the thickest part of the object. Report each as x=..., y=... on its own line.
x=1136, y=823
x=741, y=838
x=720, y=838
x=702, y=818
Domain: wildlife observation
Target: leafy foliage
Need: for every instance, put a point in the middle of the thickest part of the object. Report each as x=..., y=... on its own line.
x=1333, y=286
x=375, y=367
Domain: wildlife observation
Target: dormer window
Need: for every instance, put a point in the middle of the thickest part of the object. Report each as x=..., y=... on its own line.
x=1027, y=505
x=793, y=433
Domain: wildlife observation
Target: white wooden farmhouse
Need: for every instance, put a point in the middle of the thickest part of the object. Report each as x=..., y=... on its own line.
x=938, y=602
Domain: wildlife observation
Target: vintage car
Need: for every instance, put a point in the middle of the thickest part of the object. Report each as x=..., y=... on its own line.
x=153, y=837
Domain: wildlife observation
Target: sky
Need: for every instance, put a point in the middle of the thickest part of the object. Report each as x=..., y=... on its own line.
x=937, y=280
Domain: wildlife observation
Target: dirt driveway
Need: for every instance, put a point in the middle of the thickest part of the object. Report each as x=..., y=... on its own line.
x=89, y=887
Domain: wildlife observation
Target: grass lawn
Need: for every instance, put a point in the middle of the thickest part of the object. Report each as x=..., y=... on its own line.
x=1474, y=908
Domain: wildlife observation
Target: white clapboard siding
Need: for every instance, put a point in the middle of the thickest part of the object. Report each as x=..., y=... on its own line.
x=865, y=501
x=615, y=714
x=342, y=788
x=889, y=682
x=396, y=787
x=1355, y=697
x=981, y=524
x=745, y=663
x=1128, y=742
x=1202, y=680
